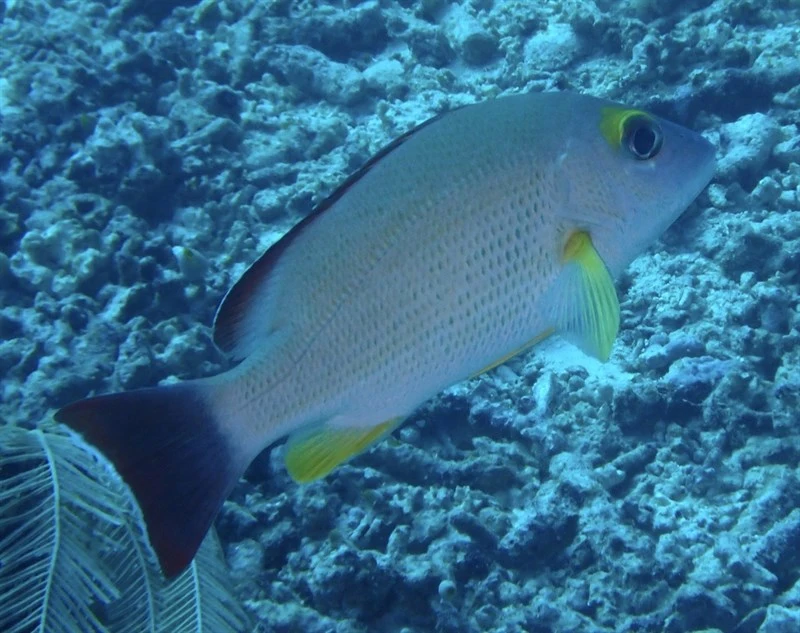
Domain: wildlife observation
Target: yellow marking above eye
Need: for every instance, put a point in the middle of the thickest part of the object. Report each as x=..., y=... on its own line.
x=614, y=122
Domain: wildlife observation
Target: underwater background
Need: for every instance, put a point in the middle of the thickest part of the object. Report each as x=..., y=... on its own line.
x=151, y=149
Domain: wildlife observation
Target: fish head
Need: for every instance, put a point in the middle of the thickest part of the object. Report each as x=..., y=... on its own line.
x=638, y=174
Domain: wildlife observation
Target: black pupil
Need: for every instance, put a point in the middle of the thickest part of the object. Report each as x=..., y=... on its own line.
x=643, y=141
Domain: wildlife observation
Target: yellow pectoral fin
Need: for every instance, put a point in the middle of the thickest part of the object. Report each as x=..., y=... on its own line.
x=534, y=341
x=312, y=454
x=588, y=311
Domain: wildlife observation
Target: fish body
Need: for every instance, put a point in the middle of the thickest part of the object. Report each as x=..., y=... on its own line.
x=466, y=240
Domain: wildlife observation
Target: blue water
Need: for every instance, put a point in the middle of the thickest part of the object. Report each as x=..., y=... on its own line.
x=150, y=151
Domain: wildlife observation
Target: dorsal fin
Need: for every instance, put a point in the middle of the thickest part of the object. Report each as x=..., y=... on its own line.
x=238, y=302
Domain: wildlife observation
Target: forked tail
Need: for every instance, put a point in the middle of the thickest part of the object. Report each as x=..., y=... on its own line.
x=168, y=447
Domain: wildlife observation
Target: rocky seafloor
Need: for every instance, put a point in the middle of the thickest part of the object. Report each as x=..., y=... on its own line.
x=149, y=150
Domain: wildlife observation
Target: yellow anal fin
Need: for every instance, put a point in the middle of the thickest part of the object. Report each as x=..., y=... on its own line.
x=312, y=454
x=588, y=310
x=534, y=341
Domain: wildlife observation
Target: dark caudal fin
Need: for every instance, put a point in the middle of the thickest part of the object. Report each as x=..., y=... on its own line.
x=166, y=445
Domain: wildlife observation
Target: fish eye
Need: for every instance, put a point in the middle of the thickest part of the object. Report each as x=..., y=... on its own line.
x=643, y=137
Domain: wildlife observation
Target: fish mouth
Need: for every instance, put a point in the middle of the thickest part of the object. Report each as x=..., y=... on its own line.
x=707, y=163
x=697, y=158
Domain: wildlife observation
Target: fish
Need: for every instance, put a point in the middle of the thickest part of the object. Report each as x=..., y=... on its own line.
x=463, y=242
